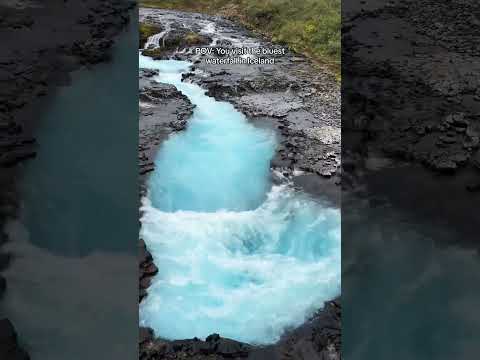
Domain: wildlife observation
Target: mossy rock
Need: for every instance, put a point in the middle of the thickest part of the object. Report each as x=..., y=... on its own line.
x=196, y=39
x=147, y=30
x=156, y=53
x=180, y=40
x=312, y=27
x=176, y=41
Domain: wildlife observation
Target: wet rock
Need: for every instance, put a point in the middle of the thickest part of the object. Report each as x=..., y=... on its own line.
x=9, y=347
x=147, y=30
x=147, y=269
x=174, y=41
x=157, y=91
x=146, y=168
x=148, y=73
x=285, y=96
x=13, y=157
x=3, y=286
x=146, y=335
x=303, y=106
x=178, y=125
x=476, y=159
x=214, y=347
x=150, y=270
x=422, y=116
x=226, y=347
x=163, y=110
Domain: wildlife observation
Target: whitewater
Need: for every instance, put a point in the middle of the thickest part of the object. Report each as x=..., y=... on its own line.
x=236, y=255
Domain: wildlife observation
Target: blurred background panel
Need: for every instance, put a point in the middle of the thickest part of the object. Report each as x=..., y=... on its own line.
x=411, y=179
x=68, y=194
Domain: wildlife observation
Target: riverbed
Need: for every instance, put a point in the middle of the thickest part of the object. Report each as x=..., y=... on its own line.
x=237, y=254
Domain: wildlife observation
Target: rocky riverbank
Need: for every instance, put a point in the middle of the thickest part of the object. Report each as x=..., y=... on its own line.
x=318, y=338
x=163, y=110
x=42, y=42
x=411, y=90
x=411, y=110
x=9, y=347
x=300, y=102
x=410, y=127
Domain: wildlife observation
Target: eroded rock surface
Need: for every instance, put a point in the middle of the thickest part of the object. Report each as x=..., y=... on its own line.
x=9, y=347
x=412, y=80
x=162, y=110
x=292, y=96
x=301, y=103
x=317, y=339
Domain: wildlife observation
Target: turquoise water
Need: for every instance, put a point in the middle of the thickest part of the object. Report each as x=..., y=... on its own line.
x=411, y=268
x=72, y=284
x=237, y=256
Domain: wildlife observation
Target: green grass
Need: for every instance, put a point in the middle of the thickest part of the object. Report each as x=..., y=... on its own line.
x=187, y=5
x=310, y=27
x=185, y=40
x=147, y=30
x=193, y=39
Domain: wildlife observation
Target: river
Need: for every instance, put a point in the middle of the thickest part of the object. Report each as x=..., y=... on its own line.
x=237, y=255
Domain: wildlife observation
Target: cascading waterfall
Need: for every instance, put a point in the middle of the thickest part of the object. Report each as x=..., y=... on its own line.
x=154, y=40
x=236, y=255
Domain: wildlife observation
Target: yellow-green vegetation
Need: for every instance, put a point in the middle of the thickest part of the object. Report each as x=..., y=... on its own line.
x=193, y=39
x=186, y=5
x=311, y=27
x=156, y=53
x=147, y=30
x=180, y=40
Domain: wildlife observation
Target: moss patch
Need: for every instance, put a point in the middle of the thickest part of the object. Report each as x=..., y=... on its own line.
x=176, y=41
x=147, y=30
x=156, y=53
x=310, y=27
x=194, y=39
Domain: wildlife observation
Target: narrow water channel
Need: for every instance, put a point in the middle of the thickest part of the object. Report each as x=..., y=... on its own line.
x=236, y=255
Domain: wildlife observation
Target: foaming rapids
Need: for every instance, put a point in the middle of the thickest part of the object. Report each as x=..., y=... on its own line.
x=154, y=40
x=236, y=255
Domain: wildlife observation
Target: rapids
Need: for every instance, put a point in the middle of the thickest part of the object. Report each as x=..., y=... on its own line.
x=236, y=255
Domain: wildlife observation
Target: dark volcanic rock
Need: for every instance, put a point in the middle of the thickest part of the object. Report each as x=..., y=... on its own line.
x=214, y=347
x=319, y=338
x=476, y=159
x=299, y=101
x=9, y=348
x=415, y=97
x=3, y=286
x=162, y=110
x=38, y=53
x=15, y=156
x=147, y=269
x=295, y=99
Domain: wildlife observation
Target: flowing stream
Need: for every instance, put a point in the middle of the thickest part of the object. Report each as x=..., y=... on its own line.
x=236, y=255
